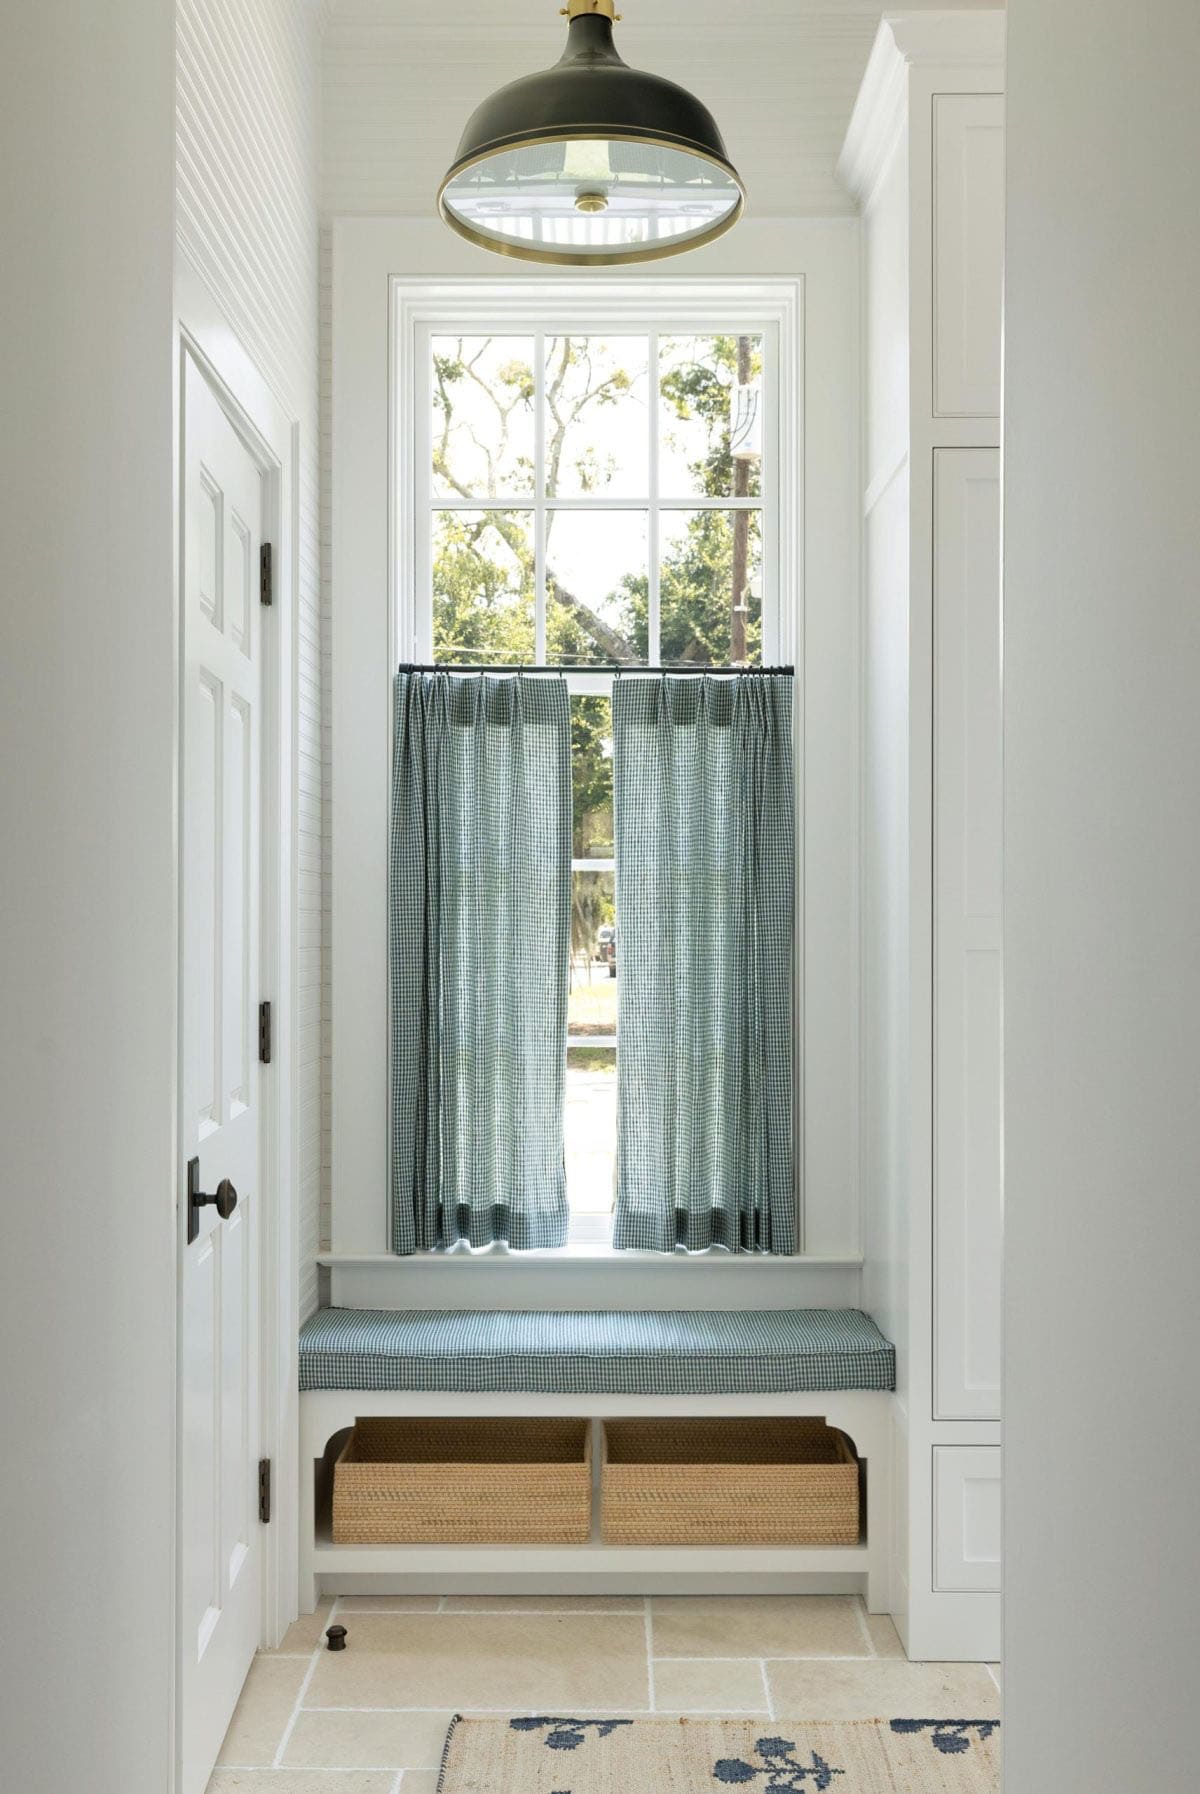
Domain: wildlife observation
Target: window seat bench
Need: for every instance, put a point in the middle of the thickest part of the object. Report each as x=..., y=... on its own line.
x=660, y=1352
x=832, y=1363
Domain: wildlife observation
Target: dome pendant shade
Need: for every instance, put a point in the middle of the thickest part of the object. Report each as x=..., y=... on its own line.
x=591, y=163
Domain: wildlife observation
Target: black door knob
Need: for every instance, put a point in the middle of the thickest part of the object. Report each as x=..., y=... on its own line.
x=223, y=1198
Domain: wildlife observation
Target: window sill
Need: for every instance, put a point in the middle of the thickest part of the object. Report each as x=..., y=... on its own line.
x=495, y=1258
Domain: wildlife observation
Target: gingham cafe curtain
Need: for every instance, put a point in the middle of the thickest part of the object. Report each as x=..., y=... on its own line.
x=705, y=871
x=479, y=945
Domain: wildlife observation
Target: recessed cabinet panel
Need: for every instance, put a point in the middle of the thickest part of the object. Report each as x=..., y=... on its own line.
x=966, y=1519
x=967, y=1218
x=968, y=253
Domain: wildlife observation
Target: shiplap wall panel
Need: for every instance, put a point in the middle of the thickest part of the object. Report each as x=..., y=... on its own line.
x=247, y=190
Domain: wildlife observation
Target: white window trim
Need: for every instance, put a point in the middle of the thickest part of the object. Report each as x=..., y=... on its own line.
x=375, y=507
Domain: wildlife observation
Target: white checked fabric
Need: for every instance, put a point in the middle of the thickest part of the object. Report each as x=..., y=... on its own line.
x=479, y=946
x=706, y=859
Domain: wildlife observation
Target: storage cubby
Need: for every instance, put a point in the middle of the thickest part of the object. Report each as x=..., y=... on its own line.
x=691, y=1561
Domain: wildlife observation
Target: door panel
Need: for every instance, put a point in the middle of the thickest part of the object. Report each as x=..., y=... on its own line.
x=968, y=252
x=203, y=828
x=238, y=894
x=966, y=1518
x=968, y=1201
x=222, y=684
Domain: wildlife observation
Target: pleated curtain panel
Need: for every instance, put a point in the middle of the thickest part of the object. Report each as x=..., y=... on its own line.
x=480, y=927
x=705, y=875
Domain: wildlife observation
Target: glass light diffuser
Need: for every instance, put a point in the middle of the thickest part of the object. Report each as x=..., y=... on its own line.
x=591, y=162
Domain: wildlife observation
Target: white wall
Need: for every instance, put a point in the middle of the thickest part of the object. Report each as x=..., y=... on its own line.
x=247, y=175
x=87, y=892
x=1102, y=943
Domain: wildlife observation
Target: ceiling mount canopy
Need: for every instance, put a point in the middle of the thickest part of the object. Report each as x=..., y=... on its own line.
x=591, y=163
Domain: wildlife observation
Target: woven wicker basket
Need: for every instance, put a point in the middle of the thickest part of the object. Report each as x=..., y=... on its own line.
x=464, y=1482
x=727, y=1482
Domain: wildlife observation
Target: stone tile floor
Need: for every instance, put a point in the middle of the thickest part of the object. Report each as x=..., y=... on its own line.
x=372, y=1719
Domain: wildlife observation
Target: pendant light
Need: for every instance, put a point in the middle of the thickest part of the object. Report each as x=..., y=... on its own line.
x=591, y=163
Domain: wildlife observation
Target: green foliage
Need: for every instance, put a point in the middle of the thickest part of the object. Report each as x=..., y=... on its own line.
x=695, y=583
x=591, y=777
x=700, y=390
x=594, y=1059
x=483, y=587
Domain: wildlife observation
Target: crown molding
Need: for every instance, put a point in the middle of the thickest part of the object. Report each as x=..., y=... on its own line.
x=878, y=116
x=905, y=41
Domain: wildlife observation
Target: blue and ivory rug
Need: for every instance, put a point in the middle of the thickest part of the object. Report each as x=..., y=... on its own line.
x=708, y=1756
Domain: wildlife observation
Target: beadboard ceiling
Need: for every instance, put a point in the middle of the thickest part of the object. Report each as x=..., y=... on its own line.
x=401, y=77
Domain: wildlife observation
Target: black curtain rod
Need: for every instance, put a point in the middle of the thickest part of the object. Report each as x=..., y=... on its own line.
x=610, y=667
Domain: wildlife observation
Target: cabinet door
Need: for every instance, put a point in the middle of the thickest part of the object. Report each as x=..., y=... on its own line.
x=966, y=1518
x=968, y=253
x=967, y=1199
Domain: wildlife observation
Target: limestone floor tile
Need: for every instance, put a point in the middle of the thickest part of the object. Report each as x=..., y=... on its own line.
x=388, y=1603
x=545, y=1604
x=367, y=1740
x=303, y=1635
x=884, y=1635
x=300, y=1781
x=882, y=1690
x=757, y=1626
x=262, y=1713
x=525, y=1662
x=715, y=1685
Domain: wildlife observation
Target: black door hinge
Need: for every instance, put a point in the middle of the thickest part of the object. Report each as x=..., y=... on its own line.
x=264, y=573
x=264, y=1490
x=264, y=1033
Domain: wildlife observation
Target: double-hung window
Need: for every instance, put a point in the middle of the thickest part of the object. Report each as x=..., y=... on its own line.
x=591, y=496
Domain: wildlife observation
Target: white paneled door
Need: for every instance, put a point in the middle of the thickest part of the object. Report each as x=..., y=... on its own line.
x=220, y=1552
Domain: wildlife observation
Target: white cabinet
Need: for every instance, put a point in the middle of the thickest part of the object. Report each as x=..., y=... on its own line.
x=966, y=1519
x=967, y=834
x=968, y=253
x=925, y=156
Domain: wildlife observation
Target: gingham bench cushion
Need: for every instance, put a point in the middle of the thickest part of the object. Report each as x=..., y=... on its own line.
x=768, y=1351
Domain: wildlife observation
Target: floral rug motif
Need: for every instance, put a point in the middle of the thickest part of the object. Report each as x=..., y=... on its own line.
x=555, y=1754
